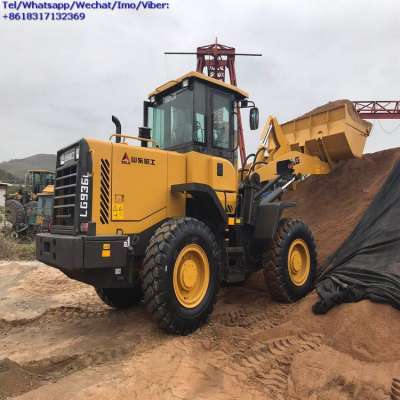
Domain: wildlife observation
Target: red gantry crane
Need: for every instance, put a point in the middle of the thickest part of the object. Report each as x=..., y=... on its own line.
x=382, y=109
x=216, y=59
x=389, y=109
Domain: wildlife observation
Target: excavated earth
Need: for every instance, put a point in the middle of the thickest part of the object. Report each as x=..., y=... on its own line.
x=58, y=341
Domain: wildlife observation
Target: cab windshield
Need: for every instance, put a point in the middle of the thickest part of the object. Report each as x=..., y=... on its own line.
x=36, y=181
x=172, y=120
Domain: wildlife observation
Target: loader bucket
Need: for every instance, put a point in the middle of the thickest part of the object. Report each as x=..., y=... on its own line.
x=332, y=132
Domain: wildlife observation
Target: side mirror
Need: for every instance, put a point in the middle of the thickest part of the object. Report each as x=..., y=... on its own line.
x=254, y=118
x=145, y=133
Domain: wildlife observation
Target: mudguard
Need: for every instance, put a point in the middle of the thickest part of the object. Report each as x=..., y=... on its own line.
x=267, y=218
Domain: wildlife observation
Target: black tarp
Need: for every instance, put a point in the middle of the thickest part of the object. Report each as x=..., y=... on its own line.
x=367, y=264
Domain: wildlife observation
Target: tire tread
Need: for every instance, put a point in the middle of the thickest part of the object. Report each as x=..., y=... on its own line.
x=274, y=263
x=155, y=297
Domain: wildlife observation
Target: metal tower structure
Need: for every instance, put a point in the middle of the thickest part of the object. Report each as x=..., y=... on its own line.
x=217, y=59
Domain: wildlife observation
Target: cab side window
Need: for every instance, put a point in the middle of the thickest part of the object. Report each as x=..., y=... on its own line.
x=221, y=111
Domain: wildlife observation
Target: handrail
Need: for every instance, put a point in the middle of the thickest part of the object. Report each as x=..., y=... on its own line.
x=133, y=137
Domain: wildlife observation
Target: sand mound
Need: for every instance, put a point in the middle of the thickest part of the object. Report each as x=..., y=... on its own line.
x=364, y=330
x=332, y=204
x=312, y=377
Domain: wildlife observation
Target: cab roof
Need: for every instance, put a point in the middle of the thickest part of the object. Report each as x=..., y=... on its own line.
x=202, y=77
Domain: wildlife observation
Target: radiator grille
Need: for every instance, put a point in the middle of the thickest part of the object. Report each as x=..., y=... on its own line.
x=104, y=191
x=65, y=195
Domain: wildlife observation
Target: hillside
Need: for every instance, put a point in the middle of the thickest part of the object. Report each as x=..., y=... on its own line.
x=8, y=178
x=19, y=167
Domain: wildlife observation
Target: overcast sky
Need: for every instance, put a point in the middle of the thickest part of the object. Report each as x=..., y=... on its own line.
x=61, y=81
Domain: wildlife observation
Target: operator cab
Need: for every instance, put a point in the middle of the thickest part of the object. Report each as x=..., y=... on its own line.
x=196, y=113
x=36, y=180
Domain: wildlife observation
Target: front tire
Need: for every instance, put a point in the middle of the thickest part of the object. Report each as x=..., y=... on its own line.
x=290, y=264
x=180, y=275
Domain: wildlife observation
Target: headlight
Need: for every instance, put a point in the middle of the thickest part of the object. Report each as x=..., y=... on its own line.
x=70, y=154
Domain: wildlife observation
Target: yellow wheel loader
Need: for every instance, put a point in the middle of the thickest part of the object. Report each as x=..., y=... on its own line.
x=170, y=217
x=22, y=208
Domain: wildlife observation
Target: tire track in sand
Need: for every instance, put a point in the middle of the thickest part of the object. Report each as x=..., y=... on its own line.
x=266, y=365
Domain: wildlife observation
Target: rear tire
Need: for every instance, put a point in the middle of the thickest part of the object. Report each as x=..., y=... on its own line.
x=180, y=275
x=120, y=297
x=290, y=264
x=15, y=212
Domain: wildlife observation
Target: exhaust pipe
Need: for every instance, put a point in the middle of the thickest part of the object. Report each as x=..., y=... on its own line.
x=117, y=124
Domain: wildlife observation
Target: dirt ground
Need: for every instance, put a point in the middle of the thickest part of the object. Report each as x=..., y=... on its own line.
x=58, y=341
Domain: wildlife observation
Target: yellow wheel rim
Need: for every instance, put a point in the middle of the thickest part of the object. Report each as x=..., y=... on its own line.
x=299, y=262
x=191, y=275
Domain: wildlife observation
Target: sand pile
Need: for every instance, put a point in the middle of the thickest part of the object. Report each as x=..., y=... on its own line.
x=332, y=204
x=364, y=330
x=330, y=375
